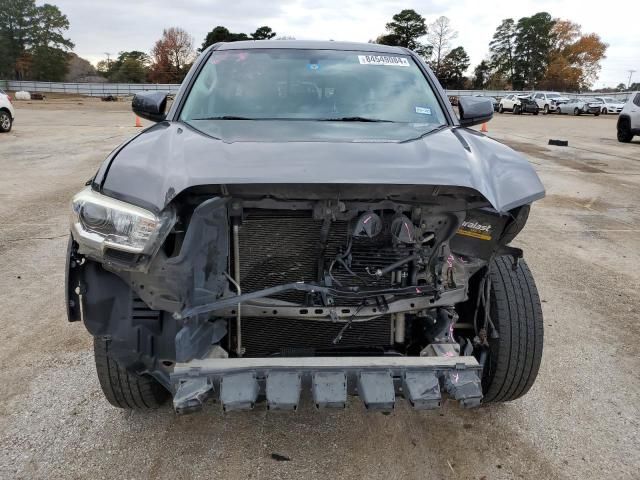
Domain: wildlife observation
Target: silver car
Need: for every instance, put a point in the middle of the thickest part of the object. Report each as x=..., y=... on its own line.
x=579, y=106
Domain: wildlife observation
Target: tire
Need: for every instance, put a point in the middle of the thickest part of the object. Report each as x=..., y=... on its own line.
x=500, y=109
x=559, y=111
x=624, y=130
x=535, y=112
x=545, y=111
x=576, y=111
x=516, y=109
x=5, y=121
x=604, y=111
x=514, y=358
x=597, y=114
x=124, y=389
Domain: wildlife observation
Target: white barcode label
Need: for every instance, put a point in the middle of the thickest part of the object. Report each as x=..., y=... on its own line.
x=383, y=60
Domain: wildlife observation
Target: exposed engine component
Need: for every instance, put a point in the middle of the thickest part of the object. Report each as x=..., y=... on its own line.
x=369, y=224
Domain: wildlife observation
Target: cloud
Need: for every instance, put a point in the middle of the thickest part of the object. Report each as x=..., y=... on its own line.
x=99, y=27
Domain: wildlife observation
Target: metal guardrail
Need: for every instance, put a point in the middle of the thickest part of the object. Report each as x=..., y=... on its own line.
x=102, y=89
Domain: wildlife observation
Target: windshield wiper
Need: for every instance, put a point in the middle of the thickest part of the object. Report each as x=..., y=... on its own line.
x=226, y=117
x=354, y=119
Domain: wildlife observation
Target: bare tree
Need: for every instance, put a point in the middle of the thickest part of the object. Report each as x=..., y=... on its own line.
x=439, y=37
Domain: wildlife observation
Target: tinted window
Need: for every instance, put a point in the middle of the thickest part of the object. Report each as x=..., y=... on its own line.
x=311, y=85
x=637, y=99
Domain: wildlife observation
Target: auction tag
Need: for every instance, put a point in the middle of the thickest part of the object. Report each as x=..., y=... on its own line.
x=383, y=60
x=423, y=110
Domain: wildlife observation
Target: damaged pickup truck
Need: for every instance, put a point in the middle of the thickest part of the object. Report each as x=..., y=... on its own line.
x=307, y=217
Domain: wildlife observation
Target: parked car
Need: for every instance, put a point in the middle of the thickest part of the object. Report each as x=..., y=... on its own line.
x=629, y=119
x=264, y=237
x=494, y=101
x=7, y=112
x=578, y=106
x=518, y=104
x=609, y=105
x=549, y=101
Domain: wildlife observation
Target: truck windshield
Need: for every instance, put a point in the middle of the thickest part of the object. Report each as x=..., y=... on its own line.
x=330, y=85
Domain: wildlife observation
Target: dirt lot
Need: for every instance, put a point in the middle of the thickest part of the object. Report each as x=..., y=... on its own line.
x=580, y=420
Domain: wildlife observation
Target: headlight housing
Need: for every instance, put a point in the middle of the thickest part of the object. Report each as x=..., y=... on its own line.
x=100, y=222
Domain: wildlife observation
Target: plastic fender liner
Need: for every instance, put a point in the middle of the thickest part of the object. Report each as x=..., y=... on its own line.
x=196, y=274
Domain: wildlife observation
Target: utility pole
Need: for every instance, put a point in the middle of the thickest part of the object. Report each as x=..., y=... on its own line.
x=631, y=72
x=108, y=59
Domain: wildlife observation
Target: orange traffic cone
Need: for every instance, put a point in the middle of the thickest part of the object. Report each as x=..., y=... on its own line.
x=484, y=128
x=138, y=122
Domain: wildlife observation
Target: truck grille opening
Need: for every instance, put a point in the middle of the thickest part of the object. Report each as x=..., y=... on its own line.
x=268, y=336
x=283, y=246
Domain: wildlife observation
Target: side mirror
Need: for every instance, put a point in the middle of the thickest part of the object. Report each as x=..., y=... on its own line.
x=474, y=110
x=150, y=105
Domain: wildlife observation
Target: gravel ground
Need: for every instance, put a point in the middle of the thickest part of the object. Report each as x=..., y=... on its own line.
x=580, y=420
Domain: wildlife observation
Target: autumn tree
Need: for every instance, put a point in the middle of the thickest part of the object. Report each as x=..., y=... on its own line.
x=172, y=56
x=439, y=37
x=574, y=60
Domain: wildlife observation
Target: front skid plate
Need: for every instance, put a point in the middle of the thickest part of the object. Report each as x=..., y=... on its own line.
x=238, y=382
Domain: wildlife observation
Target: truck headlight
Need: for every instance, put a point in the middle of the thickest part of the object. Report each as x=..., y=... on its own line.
x=99, y=221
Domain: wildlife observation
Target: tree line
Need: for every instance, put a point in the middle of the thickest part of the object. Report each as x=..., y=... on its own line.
x=538, y=52
x=171, y=56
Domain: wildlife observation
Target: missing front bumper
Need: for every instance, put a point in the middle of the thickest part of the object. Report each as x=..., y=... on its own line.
x=238, y=383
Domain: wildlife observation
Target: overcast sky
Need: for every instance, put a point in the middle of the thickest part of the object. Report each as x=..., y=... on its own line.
x=112, y=26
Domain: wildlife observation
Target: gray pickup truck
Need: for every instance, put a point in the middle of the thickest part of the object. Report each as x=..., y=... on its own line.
x=308, y=219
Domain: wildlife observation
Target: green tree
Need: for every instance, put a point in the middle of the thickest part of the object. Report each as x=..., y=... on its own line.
x=263, y=33
x=16, y=29
x=454, y=66
x=502, y=48
x=49, y=47
x=129, y=67
x=481, y=75
x=405, y=30
x=532, y=49
x=222, y=34
x=32, y=41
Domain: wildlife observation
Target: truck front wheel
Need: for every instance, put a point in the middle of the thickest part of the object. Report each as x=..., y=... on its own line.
x=514, y=356
x=124, y=389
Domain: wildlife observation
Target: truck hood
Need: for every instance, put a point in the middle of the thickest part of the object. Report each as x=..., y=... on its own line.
x=169, y=157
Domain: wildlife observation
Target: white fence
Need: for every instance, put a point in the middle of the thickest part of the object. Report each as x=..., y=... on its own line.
x=121, y=89
x=89, y=89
